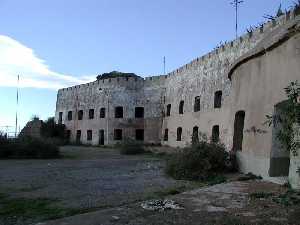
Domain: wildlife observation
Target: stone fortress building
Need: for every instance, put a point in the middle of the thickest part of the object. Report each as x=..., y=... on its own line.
x=225, y=94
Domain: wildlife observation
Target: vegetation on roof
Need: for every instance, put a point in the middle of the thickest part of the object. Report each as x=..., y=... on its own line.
x=115, y=74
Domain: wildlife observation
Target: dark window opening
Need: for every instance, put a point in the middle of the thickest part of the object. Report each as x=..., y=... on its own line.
x=78, y=136
x=179, y=133
x=181, y=106
x=60, y=117
x=215, y=137
x=101, y=137
x=195, y=135
x=166, y=135
x=70, y=115
x=139, y=112
x=91, y=114
x=89, y=135
x=80, y=114
x=119, y=112
x=68, y=135
x=102, y=113
x=238, y=131
x=218, y=99
x=118, y=136
x=197, y=104
x=139, y=135
x=168, y=110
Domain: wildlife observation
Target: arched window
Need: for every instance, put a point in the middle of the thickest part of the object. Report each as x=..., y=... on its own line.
x=181, y=106
x=166, y=135
x=179, y=133
x=168, y=110
x=215, y=137
x=197, y=104
x=218, y=99
x=195, y=135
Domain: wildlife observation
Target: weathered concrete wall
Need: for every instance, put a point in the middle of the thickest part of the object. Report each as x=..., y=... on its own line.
x=203, y=77
x=294, y=175
x=258, y=84
x=110, y=93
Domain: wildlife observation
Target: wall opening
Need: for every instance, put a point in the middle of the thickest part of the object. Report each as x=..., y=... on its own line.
x=80, y=114
x=60, y=115
x=118, y=135
x=89, y=135
x=197, y=104
x=78, y=136
x=101, y=137
x=70, y=115
x=166, y=135
x=238, y=131
x=195, y=134
x=119, y=112
x=102, y=113
x=218, y=99
x=68, y=135
x=181, y=107
x=215, y=137
x=168, y=110
x=139, y=135
x=139, y=112
x=280, y=157
x=179, y=133
x=91, y=114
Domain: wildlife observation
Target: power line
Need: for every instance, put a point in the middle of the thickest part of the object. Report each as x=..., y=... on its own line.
x=236, y=4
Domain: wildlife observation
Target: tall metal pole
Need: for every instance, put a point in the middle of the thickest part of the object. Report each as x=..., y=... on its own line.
x=236, y=5
x=107, y=121
x=16, y=128
x=164, y=65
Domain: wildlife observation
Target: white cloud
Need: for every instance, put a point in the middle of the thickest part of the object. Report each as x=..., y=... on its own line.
x=15, y=58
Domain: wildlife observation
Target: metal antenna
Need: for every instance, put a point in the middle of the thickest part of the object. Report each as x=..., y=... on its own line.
x=16, y=130
x=164, y=65
x=236, y=3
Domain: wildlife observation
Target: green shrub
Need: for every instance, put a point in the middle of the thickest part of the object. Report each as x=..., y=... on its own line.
x=131, y=147
x=199, y=162
x=28, y=148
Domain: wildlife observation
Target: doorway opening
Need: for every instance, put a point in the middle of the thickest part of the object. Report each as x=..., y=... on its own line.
x=238, y=135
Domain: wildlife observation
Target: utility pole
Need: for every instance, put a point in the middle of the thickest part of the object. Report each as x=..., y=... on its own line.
x=236, y=3
x=164, y=65
x=16, y=129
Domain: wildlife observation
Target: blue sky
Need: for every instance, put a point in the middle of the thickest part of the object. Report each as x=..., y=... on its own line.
x=58, y=43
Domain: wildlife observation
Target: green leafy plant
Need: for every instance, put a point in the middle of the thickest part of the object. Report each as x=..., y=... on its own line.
x=290, y=115
x=199, y=162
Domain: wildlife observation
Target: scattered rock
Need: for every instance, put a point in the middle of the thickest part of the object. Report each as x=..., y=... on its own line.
x=160, y=205
x=211, y=208
x=115, y=217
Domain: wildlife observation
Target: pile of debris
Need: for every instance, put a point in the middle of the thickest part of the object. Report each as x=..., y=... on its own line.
x=160, y=205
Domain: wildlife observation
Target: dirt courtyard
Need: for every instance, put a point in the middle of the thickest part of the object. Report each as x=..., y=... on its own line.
x=94, y=186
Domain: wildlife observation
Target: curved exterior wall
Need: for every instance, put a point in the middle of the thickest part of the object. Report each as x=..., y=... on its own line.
x=258, y=88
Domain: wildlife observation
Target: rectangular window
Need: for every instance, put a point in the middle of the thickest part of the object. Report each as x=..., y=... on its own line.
x=215, y=134
x=102, y=113
x=78, y=136
x=181, y=106
x=89, y=135
x=119, y=112
x=218, y=99
x=80, y=114
x=139, y=135
x=60, y=117
x=91, y=114
x=197, y=104
x=169, y=110
x=118, y=136
x=68, y=135
x=70, y=115
x=179, y=133
x=139, y=112
x=166, y=135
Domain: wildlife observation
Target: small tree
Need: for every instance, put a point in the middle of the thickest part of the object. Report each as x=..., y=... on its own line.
x=291, y=112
